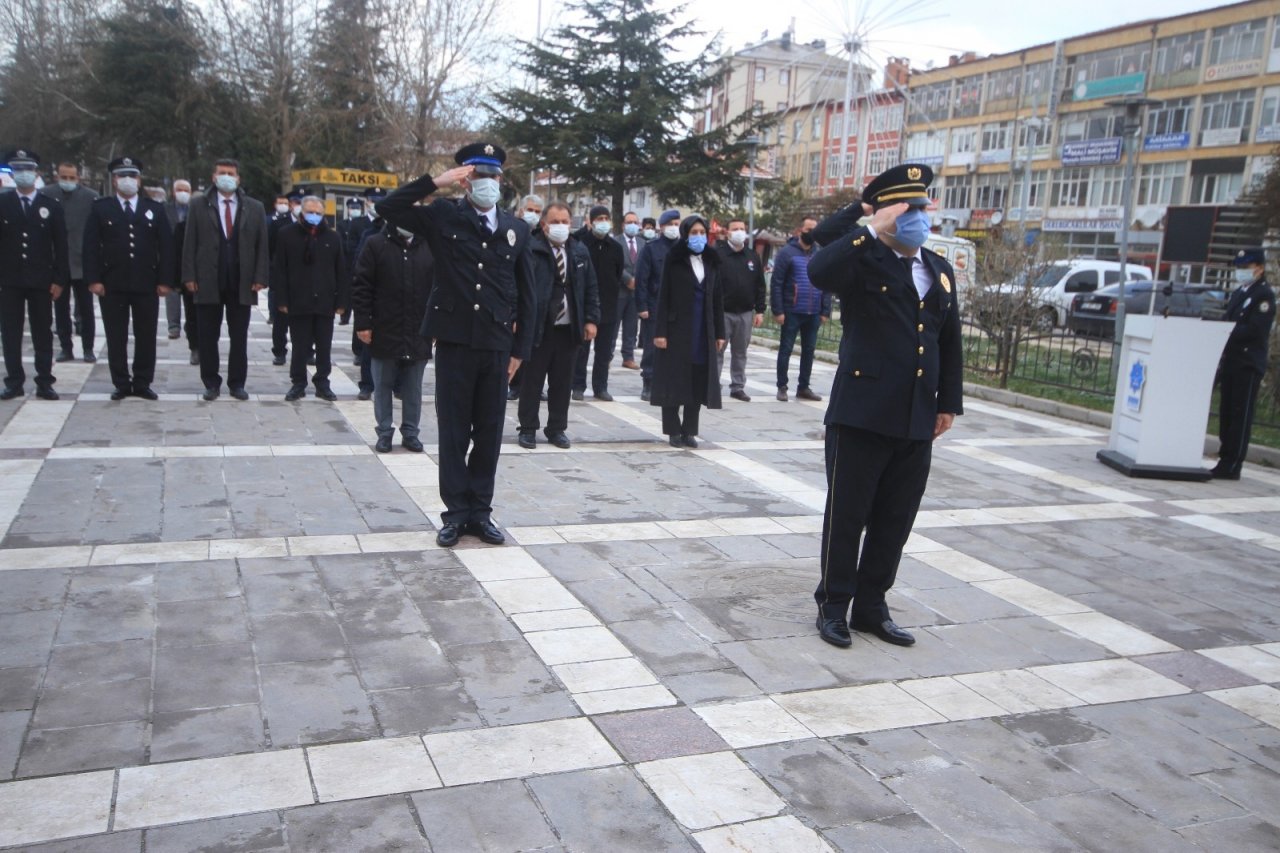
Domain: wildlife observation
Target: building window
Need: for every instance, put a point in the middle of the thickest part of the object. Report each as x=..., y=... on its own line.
x=784, y=77
x=1094, y=124
x=1037, y=80
x=958, y=192
x=815, y=168
x=1237, y=42
x=1216, y=188
x=1161, y=183
x=996, y=137
x=1269, y=116
x=837, y=125
x=990, y=191
x=1104, y=64
x=1002, y=90
x=1107, y=186
x=795, y=130
x=1172, y=117
x=757, y=108
x=815, y=132
x=968, y=97
x=1070, y=188
x=925, y=148
x=760, y=74
x=848, y=165
x=1035, y=193
x=931, y=103
x=637, y=198
x=782, y=106
x=964, y=140
x=875, y=161
x=1177, y=60
x=1224, y=117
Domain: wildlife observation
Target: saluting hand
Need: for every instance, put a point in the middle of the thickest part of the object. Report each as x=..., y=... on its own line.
x=453, y=176
x=882, y=220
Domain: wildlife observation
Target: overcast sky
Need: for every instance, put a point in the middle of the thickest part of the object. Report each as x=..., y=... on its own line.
x=922, y=30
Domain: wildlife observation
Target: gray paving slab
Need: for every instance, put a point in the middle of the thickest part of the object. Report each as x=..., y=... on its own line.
x=226, y=677
x=207, y=733
x=402, y=660
x=315, y=702
x=116, y=842
x=201, y=622
x=823, y=784
x=51, y=751
x=891, y=835
x=1246, y=834
x=425, y=709
x=496, y=817
x=362, y=826
x=254, y=833
x=657, y=733
x=95, y=663
x=575, y=802
x=1100, y=820
x=13, y=727
x=292, y=637
x=19, y=687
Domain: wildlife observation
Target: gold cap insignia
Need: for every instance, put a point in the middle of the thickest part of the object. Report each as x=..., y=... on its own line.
x=946, y=282
x=913, y=174
x=488, y=149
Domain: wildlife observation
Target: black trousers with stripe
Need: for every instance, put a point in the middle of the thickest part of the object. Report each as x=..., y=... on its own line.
x=874, y=485
x=1238, y=397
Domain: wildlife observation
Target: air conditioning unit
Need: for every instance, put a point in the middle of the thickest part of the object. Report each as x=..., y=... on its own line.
x=971, y=168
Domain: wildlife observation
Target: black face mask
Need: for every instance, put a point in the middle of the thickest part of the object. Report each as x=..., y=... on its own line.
x=806, y=238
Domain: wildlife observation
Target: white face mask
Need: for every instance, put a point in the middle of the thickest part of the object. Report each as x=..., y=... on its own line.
x=68, y=186
x=671, y=232
x=226, y=183
x=531, y=218
x=737, y=238
x=282, y=209
x=602, y=228
x=128, y=187
x=558, y=234
x=182, y=197
x=484, y=192
x=1244, y=275
x=649, y=233
x=25, y=179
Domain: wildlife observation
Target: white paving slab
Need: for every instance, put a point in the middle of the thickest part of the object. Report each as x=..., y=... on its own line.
x=500, y=564
x=45, y=558
x=513, y=752
x=575, y=645
x=150, y=552
x=1100, y=681
x=848, y=710
x=228, y=549
x=590, y=676
x=554, y=620
x=1112, y=634
x=1018, y=691
x=951, y=698
x=625, y=699
x=212, y=787
x=1032, y=598
x=754, y=722
x=772, y=835
x=319, y=546
x=35, y=810
x=383, y=543
x=708, y=790
x=527, y=595
x=1260, y=701
x=961, y=566
x=371, y=768
x=1250, y=660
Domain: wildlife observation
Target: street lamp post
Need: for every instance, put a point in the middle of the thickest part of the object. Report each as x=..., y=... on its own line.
x=1133, y=106
x=752, y=143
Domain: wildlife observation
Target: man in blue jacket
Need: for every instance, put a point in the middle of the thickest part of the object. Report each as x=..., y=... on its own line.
x=653, y=258
x=798, y=307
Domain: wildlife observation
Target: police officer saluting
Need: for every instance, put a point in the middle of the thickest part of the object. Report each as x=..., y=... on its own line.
x=34, y=269
x=1244, y=360
x=128, y=263
x=897, y=389
x=481, y=316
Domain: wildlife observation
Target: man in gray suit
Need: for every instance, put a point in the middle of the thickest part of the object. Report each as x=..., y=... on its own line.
x=76, y=199
x=628, y=321
x=224, y=264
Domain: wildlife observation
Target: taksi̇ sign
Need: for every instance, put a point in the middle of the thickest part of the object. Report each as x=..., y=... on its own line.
x=345, y=178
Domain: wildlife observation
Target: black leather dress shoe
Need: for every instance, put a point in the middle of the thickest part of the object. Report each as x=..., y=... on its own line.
x=46, y=394
x=384, y=444
x=448, y=535
x=559, y=439
x=10, y=393
x=603, y=396
x=90, y=358
x=527, y=439
x=887, y=631
x=676, y=441
x=296, y=392
x=194, y=357
x=240, y=393
x=1221, y=473
x=364, y=396
x=278, y=360
x=326, y=393
x=65, y=355
x=690, y=441
x=411, y=443
x=579, y=396
x=487, y=531
x=210, y=394
x=119, y=394
x=834, y=630
x=513, y=393
x=146, y=394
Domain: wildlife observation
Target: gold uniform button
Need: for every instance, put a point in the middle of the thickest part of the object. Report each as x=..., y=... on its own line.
x=920, y=328
x=920, y=372
x=922, y=303
x=920, y=350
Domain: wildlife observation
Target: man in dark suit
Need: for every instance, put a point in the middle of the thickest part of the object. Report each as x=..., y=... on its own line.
x=34, y=270
x=75, y=199
x=225, y=264
x=1244, y=360
x=898, y=389
x=607, y=261
x=292, y=212
x=481, y=316
x=631, y=242
x=648, y=282
x=128, y=262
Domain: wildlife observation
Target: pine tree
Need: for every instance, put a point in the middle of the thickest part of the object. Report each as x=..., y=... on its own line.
x=610, y=107
x=344, y=75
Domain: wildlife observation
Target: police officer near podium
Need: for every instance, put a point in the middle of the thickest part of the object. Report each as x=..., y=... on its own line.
x=481, y=316
x=1244, y=360
x=34, y=270
x=128, y=263
x=898, y=389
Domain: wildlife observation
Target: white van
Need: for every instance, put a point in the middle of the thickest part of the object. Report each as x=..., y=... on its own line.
x=1061, y=281
x=961, y=253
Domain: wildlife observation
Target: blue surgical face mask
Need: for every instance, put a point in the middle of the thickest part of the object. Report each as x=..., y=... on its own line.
x=1244, y=275
x=602, y=228
x=912, y=228
x=631, y=229
x=24, y=178
x=697, y=243
x=531, y=218
x=313, y=219
x=226, y=183
x=68, y=186
x=649, y=233
x=484, y=192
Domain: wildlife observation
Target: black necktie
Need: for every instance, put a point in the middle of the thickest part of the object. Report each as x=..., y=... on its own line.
x=906, y=265
x=128, y=210
x=26, y=206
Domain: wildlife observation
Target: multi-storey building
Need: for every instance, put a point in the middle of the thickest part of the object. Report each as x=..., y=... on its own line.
x=1031, y=135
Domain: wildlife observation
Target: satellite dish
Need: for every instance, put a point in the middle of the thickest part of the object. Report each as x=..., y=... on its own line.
x=997, y=218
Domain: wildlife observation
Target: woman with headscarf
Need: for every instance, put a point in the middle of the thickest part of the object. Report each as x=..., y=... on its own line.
x=688, y=333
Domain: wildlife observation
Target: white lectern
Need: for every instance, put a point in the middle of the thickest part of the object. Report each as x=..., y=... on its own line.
x=1162, y=399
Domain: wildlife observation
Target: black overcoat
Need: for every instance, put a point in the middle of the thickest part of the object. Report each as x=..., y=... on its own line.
x=673, y=319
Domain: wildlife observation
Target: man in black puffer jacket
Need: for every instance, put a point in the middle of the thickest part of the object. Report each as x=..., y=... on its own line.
x=311, y=273
x=389, y=292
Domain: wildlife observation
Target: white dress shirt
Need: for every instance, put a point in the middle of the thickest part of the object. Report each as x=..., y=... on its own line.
x=919, y=272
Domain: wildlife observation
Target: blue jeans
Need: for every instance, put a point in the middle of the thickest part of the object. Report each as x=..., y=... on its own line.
x=395, y=374
x=806, y=325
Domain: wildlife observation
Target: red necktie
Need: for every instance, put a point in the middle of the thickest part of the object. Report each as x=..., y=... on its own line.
x=631, y=245
x=226, y=202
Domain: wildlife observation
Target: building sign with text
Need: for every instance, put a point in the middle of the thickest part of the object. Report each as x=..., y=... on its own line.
x=1081, y=225
x=1110, y=87
x=1231, y=70
x=345, y=178
x=1092, y=152
x=1166, y=142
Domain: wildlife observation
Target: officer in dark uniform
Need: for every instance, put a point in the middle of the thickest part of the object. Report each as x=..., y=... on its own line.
x=128, y=263
x=34, y=269
x=280, y=322
x=897, y=389
x=481, y=316
x=1244, y=360
x=352, y=231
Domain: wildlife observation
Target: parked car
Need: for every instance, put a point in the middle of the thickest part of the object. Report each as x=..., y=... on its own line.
x=1056, y=287
x=1094, y=314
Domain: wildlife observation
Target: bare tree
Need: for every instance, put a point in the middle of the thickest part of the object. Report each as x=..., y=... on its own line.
x=437, y=65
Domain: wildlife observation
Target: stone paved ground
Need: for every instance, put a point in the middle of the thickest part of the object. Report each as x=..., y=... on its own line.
x=227, y=627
